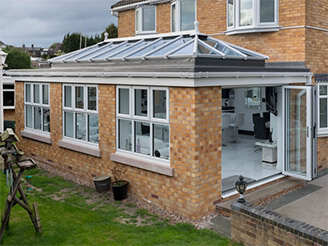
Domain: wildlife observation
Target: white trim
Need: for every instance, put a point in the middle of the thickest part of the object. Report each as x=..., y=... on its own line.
x=322, y=131
x=79, y=147
x=8, y=82
x=140, y=11
x=134, y=5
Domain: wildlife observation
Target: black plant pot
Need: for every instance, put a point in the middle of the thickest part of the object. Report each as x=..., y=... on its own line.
x=102, y=183
x=120, y=190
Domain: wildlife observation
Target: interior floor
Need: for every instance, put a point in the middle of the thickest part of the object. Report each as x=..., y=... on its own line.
x=243, y=158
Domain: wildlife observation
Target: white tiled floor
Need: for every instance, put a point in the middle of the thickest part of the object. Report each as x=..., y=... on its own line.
x=241, y=159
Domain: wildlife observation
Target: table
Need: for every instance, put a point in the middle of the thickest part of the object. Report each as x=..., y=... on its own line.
x=269, y=152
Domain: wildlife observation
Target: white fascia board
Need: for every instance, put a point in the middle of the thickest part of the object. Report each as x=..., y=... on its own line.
x=134, y=5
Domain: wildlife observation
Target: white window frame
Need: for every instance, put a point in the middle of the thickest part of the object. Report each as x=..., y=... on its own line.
x=34, y=105
x=322, y=131
x=75, y=110
x=256, y=26
x=8, y=90
x=139, y=19
x=177, y=4
x=149, y=119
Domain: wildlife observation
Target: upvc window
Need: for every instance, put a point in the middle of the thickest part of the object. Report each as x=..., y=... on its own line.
x=323, y=108
x=145, y=19
x=8, y=95
x=80, y=113
x=37, y=111
x=143, y=122
x=252, y=15
x=183, y=15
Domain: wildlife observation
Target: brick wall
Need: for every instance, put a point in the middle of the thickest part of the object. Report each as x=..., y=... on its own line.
x=195, y=136
x=254, y=225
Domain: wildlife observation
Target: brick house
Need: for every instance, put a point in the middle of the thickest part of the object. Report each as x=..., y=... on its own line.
x=167, y=98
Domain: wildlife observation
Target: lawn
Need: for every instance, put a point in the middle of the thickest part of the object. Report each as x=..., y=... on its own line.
x=77, y=215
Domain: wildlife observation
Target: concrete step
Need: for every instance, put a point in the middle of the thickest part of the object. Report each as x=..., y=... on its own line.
x=262, y=194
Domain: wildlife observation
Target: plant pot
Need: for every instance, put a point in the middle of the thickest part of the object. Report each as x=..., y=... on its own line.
x=120, y=190
x=102, y=183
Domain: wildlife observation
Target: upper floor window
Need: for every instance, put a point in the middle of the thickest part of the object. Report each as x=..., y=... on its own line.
x=183, y=15
x=323, y=108
x=145, y=19
x=251, y=15
x=8, y=95
x=37, y=111
x=143, y=121
x=80, y=112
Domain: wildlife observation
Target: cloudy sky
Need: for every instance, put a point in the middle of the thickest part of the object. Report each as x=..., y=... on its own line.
x=44, y=22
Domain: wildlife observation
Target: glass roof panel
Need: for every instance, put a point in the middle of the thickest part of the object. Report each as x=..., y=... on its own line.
x=170, y=47
x=204, y=50
x=132, y=47
x=117, y=48
x=186, y=50
x=97, y=52
x=150, y=48
x=82, y=52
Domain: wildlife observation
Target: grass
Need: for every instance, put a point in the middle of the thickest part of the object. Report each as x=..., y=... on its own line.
x=71, y=220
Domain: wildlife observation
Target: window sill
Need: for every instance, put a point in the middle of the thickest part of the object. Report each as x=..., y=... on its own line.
x=322, y=134
x=252, y=30
x=145, y=33
x=148, y=165
x=80, y=147
x=45, y=138
x=8, y=107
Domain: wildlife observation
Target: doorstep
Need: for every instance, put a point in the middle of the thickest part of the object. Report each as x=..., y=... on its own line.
x=262, y=194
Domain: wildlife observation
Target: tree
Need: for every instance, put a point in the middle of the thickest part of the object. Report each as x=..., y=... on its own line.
x=71, y=42
x=17, y=58
x=111, y=30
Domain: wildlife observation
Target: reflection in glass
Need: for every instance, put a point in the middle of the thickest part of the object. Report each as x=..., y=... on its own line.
x=37, y=118
x=45, y=94
x=141, y=103
x=68, y=96
x=161, y=146
x=28, y=93
x=267, y=10
x=148, y=22
x=230, y=13
x=173, y=17
x=159, y=104
x=246, y=12
x=93, y=132
x=8, y=98
x=323, y=90
x=46, y=120
x=92, y=98
x=124, y=101
x=79, y=97
x=142, y=138
x=68, y=124
x=253, y=98
x=137, y=20
x=29, y=116
x=187, y=14
x=124, y=135
x=80, y=124
x=323, y=112
x=36, y=93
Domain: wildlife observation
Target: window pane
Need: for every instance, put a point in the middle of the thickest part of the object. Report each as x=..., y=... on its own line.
x=323, y=90
x=187, y=15
x=140, y=107
x=323, y=112
x=68, y=124
x=124, y=135
x=45, y=94
x=8, y=87
x=161, y=144
x=93, y=135
x=36, y=93
x=79, y=95
x=46, y=120
x=124, y=101
x=8, y=98
x=28, y=93
x=80, y=126
x=142, y=138
x=148, y=20
x=29, y=116
x=246, y=12
x=137, y=20
x=159, y=104
x=68, y=96
x=92, y=98
x=173, y=17
x=37, y=118
x=267, y=10
x=230, y=13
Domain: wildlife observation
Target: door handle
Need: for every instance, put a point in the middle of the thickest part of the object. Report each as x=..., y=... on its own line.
x=307, y=131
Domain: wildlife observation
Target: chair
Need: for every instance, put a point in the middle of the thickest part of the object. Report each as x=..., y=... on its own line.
x=260, y=131
x=225, y=123
x=238, y=121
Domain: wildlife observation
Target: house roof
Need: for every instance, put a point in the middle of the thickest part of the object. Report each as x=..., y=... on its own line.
x=126, y=2
x=160, y=47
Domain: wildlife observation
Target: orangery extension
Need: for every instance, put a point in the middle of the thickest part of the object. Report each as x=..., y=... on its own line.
x=175, y=110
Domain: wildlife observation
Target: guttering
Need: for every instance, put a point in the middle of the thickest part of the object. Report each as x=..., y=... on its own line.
x=134, y=5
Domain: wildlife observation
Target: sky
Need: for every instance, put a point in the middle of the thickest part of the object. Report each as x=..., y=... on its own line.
x=44, y=22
